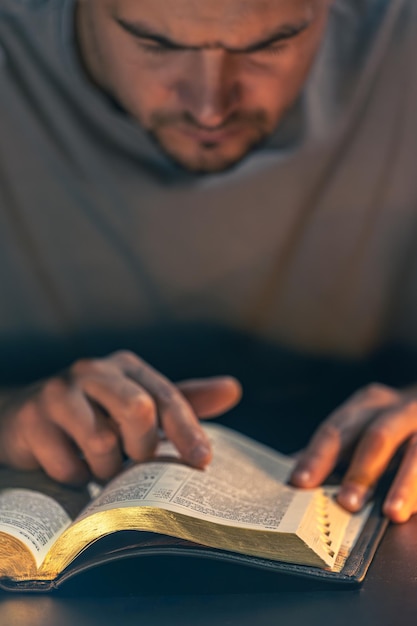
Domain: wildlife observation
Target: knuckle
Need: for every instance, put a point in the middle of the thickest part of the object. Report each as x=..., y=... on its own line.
x=103, y=443
x=169, y=395
x=376, y=388
x=141, y=406
x=82, y=368
x=379, y=392
x=329, y=431
x=381, y=434
x=52, y=390
x=126, y=357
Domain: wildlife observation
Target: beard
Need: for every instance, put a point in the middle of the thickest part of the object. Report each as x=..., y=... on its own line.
x=248, y=131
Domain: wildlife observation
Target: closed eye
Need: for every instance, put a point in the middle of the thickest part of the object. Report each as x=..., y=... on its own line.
x=159, y=44
x=273, y=50
x=154, y=47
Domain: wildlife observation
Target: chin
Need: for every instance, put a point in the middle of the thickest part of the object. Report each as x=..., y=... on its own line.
x=207, y=161
x=207, y=158
x=203, y=166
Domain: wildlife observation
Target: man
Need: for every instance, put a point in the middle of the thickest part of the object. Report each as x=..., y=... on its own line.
x=240, y=164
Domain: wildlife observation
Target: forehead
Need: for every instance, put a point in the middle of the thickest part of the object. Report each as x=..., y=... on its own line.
x=194, y=19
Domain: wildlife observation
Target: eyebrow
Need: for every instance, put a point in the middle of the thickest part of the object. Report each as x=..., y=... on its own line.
x=141, y=30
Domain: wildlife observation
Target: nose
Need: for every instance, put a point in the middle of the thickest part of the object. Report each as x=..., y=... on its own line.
x=210, y=91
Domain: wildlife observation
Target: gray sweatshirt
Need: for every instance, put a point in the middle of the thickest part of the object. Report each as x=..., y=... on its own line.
x=309, y=243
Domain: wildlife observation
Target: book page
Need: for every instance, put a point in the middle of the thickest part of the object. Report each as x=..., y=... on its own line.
x=35, y=519
x=244, y=486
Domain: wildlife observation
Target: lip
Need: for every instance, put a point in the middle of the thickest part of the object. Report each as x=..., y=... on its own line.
x=209, y=136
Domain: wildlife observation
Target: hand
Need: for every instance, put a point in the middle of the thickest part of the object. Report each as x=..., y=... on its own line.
x=83, y=421
x=376, y=422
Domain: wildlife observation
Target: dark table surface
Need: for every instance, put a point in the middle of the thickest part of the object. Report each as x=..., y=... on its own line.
x=189, y=593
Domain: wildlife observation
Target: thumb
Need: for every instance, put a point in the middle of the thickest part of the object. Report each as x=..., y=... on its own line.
x=210, y=397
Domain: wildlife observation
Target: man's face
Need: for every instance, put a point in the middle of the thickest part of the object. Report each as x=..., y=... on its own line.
x=208, y=79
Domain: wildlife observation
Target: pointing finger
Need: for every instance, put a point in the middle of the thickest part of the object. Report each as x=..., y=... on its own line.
x=178, y=419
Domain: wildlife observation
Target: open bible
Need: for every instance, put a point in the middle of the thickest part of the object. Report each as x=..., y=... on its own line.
x=239, y=508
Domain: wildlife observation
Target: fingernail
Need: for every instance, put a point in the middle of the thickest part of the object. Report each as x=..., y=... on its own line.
x=301, y=476
x=200, y=455
x=351, y=498
x=397, y=510
x=395, y=505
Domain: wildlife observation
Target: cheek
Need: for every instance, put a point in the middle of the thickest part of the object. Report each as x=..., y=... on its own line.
x=138, y=89
x=285, y=80
x=272, y=95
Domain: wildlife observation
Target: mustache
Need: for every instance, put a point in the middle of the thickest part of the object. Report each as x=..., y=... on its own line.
x=255, y=118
